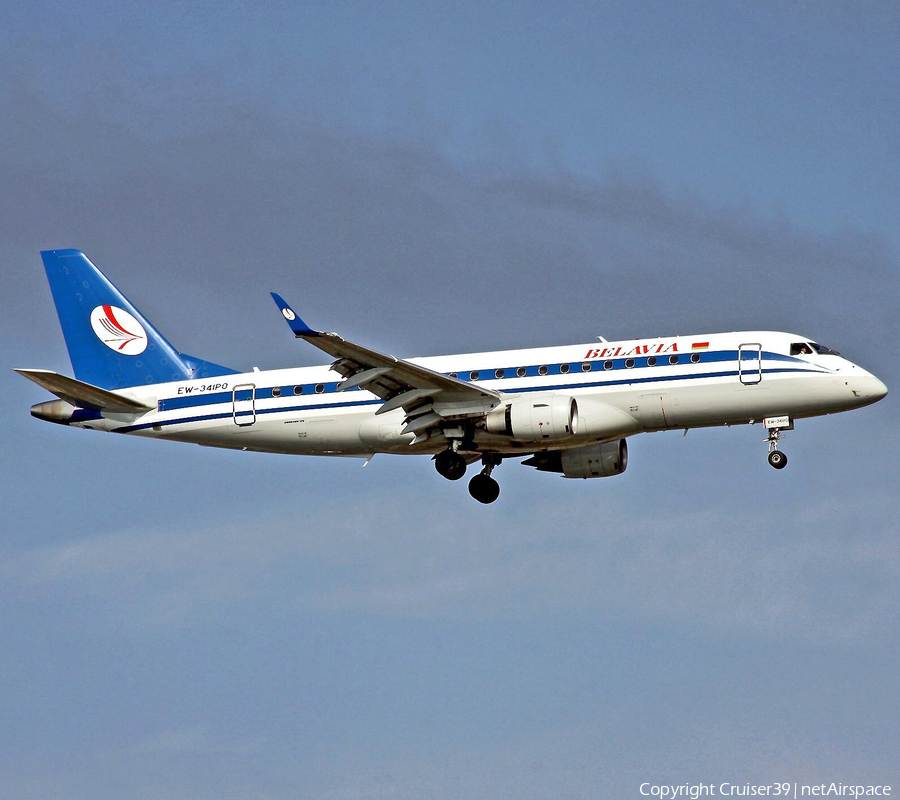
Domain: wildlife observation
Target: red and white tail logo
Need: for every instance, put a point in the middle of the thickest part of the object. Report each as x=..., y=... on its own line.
x=119, y=330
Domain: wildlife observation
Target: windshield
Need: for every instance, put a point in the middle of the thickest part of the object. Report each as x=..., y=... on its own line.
x=824, y=351
x=801, y=349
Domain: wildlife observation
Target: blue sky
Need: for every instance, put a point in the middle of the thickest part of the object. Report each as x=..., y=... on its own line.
x=178, y=621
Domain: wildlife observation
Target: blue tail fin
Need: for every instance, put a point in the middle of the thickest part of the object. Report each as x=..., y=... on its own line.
x=110, y=342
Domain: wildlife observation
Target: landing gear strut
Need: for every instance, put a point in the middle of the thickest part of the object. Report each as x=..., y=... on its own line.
x=450, y=464
x=483, y=487
x=776, y=458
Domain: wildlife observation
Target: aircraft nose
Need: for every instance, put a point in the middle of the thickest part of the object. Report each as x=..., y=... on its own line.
x=878, y=389
x=871, y=388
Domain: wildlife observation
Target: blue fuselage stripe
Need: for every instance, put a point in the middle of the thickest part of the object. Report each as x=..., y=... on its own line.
x=265, y=393
x=219, y=398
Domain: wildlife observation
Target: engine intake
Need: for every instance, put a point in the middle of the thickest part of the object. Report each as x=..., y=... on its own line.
x=594, y=461
x=536, y=418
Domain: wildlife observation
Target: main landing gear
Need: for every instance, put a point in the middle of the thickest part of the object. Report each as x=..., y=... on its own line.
x=451, y=465
x=483, y=487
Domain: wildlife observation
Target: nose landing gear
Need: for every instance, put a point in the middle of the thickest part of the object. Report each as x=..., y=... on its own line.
x=775, y=425
x=483, y=487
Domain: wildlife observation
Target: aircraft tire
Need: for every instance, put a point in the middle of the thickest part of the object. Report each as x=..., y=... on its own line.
x=778, y=459
x=484, y=488
x=450, y=465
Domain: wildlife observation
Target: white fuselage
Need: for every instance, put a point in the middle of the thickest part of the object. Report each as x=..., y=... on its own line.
x=621, y=388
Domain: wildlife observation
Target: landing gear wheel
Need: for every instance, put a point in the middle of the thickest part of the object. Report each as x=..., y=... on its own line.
x=450, y=464
x=778, y=459
x=484, y=488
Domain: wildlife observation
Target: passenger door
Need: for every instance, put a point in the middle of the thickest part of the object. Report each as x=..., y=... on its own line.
x=750, y=364
x=243, y=403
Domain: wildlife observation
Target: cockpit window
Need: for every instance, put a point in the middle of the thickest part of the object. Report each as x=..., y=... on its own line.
x=824, y=351
x=801, y=349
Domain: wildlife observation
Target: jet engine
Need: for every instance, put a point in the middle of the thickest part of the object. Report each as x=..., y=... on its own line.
x=594, y=461
x=536, y=417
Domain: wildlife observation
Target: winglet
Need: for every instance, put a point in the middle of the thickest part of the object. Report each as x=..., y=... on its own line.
x=297, y=325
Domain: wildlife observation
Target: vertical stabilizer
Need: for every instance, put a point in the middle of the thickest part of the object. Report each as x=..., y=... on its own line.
x=111, y=344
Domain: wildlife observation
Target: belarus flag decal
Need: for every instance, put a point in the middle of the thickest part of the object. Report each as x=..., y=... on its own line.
x=700, y=346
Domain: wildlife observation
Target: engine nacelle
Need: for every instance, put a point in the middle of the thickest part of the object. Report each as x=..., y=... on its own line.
x=536, y=417
x=594, y=461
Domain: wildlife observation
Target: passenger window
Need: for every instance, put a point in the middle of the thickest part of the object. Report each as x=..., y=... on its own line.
x=276, y=392
x=498, y=373
x=320, y=387
x=673, y=359
x=473, y=376
x=607, y=365
x=298, y=390
x=629, y=363
x=542, y=370
x=563, y=368
x=586, y=366
x=521, y=372
x=453, y=375
x=651, y=362
x=695, y=358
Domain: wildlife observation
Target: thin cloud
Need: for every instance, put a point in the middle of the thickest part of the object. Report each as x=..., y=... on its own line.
x=715, y=569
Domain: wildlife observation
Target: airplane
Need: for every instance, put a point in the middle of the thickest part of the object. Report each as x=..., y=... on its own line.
x=567, y=410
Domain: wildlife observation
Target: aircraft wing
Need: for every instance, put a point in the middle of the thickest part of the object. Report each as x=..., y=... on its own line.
x=429, y=398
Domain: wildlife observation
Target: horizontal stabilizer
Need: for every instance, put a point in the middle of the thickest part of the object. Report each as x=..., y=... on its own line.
x=83, y=395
